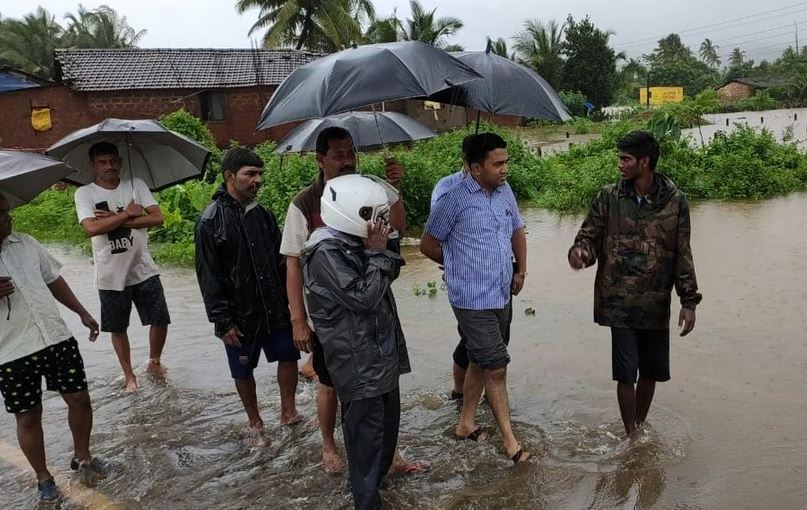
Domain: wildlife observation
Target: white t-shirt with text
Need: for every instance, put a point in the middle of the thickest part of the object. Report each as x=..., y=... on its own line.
x=122, y=256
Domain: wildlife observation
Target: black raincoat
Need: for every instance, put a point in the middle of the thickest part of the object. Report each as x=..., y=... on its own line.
x=241, y=273
x=350, y=301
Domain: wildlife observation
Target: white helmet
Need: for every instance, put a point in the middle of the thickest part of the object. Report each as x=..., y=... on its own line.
x=350, y=201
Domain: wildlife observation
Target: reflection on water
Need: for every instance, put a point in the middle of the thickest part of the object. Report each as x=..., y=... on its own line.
x=726, y=432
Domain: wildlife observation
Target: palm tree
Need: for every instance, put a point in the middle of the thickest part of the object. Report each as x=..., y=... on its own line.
x=424, y=27
x=708, y=53
x=634, y=70
x=100, y=28
x=318, y=25
x=453, y=47
x=539, y=46
x=28, y=44
x=499, y=47
x=737, y=57
x=383, y=30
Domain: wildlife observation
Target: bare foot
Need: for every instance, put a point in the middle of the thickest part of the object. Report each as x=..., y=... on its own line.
x=155, y=368
x=294, y=419
x=332, y=462
x=131, y=385
x=307, y=371
x=255, y=435
x=409, y=468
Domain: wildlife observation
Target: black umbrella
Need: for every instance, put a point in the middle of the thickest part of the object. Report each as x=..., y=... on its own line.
x=24, y=175
x=158, y=156
x=357, y=77
x=367, y=129
x=507, y=88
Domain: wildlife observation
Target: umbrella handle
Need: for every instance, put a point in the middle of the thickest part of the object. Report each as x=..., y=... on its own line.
x=129, y=164
x=380, y=134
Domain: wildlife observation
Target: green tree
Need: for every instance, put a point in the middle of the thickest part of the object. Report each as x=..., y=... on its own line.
x=737, y=57
x=673, y=63
x=316, y=25
x=590, y=65
x=499, y=47
x=708, y=53
x=540, y=47
x=28, y=44
x=383, y=30
x=100, y=28
x=424, y=26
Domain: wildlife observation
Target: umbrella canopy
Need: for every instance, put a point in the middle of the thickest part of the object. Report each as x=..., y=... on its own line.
x=24, y=175
x=357, y=77
x=366, y=128
x=158, y=156
x=507, y=88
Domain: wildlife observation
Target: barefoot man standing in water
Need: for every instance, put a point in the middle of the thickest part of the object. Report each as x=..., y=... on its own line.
x=242, y=276
x=637, y=232
x=116, y=214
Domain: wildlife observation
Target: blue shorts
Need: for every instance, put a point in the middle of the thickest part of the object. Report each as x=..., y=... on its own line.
x=277, y=346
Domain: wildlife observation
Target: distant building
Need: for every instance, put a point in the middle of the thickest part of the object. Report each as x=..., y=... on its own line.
x=743, y=88
x=226, y=88
x=14, y=79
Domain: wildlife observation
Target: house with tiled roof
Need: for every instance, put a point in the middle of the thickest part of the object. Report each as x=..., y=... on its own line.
x=226, y=88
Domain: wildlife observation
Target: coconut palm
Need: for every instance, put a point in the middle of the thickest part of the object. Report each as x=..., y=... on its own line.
x=317, y=25
x=100, y=28
x=499, y=47
x=634, y=70
x=708, y=53
x=425, y=27
x=737, y=57
x=383, y=30
x=28, y=44
x=539, y=46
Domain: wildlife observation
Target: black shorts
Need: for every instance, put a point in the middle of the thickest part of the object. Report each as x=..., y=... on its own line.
x=21, y=379
x=149, y=299
x=646, y=351
x=319, y=362
x=461, y=351
x=484, y=333
x=276, y=346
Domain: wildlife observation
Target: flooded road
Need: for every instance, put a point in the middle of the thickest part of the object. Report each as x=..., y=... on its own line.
x=728, y=431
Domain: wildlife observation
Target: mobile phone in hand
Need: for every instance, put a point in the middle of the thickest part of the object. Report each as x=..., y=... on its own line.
x=102, y=206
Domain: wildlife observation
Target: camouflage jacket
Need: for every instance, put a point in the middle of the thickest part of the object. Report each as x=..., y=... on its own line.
x=642, y=251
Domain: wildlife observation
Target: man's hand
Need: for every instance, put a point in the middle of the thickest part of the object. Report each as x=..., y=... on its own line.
x=100, y=214
x=686, y=321
x=518, y=283
x=394, y=171
x=577, y=257
x=6, y=287
x=91, y=324
x=377, y=235
x=232, y=337
x=301, y=333
x=134, y=210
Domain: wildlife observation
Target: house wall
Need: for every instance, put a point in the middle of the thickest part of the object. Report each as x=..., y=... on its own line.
x=75, y=110
x=734, y=91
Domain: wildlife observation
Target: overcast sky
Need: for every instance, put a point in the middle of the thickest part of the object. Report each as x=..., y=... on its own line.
x=761, y=29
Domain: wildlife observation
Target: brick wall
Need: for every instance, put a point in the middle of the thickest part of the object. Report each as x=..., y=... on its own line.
x=75, y=110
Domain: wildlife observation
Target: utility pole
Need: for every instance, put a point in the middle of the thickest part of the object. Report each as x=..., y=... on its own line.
x=796, y=24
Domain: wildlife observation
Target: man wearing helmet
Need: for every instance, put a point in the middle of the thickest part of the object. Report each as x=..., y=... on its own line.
x=348, y=273
x=335, y=156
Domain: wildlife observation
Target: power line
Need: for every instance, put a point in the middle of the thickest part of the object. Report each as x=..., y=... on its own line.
x=734, y=21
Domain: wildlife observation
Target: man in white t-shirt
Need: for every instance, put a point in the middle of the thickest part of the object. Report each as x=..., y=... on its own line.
x=116, y=214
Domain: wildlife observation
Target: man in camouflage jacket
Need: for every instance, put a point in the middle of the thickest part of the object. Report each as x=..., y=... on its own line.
x=638, y=232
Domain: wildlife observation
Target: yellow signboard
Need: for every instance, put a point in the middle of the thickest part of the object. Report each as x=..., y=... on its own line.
x=40, y=119
x=661, y=95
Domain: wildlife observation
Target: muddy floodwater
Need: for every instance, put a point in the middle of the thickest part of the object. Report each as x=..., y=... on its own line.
x=728, y=431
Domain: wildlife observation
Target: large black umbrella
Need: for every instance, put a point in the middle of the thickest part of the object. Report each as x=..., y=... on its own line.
x=367, y=129
x=24, y=175
x=507, y=88
x=357, y=77
x=158, y=156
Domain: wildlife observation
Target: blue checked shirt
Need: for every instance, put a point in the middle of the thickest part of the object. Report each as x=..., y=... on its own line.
x=444, y=185
x=476, y=229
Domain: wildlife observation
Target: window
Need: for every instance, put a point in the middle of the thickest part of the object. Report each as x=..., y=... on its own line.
x=212, y=105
